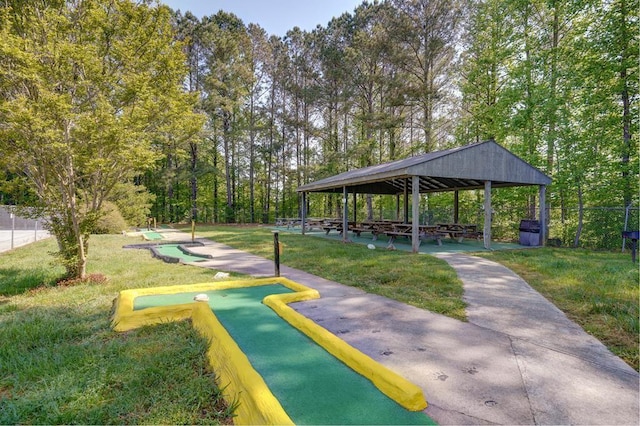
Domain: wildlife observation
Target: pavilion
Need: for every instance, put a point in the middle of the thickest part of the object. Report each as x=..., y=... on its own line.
x=480, y=165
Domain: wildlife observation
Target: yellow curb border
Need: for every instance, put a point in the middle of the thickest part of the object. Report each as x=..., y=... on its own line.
x=257, y=405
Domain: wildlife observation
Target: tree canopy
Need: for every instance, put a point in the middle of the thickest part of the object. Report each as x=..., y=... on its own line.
x=555, y=82
x=88, y=91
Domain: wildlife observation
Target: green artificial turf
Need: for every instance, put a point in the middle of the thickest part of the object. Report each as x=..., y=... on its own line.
x=313, y=386
x=152, y=235
x=173, y=250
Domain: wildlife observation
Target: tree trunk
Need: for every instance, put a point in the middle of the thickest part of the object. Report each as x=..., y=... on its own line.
x=81, y=268
x=194, y=181
x=226, y=136
x=252, y=160
x=626, y=109
x=576, y=241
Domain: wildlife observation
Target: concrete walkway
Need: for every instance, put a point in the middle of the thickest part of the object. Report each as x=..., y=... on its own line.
x=518, y=360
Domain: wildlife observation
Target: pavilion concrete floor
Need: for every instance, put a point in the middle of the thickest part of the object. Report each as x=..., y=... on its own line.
x=429, y=246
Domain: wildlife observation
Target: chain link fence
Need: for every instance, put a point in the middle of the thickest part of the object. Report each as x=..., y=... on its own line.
x=17, y=230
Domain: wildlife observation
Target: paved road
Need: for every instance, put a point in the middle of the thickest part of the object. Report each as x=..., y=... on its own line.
x=519, y=360
x=20, y=238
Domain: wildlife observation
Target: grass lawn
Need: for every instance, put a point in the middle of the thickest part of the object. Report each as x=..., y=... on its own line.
x=598, y=290
x=60, y=362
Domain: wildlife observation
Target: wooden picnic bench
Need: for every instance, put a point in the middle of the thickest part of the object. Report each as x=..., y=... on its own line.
x=459, y=232
x=312, y=223
x=425, y=232
x=288, y=222
x=375, y=227
x=336, y=224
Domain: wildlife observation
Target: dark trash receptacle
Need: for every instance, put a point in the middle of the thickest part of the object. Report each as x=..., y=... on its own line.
x=633, y=236
x=529, y=232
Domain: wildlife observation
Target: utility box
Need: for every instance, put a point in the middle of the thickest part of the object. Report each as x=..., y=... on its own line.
x=529, y=232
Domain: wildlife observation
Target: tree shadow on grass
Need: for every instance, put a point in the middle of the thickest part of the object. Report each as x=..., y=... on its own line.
x=15, y=281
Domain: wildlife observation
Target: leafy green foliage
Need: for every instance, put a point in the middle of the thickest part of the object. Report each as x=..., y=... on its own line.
x=133, y=201
x=111, y=220
x=86, y=88
x=554, y=82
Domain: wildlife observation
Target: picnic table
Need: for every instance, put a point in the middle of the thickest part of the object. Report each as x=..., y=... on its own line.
x=288, y=222
x=310, y=223
x=334, y=224
x=425, y=232
x=375, y=227
x=314, y=223
x=458, y=231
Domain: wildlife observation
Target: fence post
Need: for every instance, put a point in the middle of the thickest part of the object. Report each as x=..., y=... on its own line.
x=13, y=227
x=626, y=223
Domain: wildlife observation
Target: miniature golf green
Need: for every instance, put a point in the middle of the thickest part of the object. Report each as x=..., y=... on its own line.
x=173, y=250
x=152, y=235
x=312, y=386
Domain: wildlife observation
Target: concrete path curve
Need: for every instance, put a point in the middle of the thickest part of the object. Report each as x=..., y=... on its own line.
x=519, y=360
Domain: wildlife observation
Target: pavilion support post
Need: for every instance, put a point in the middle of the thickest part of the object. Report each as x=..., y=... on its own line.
x=456, y=206
x=355, y=207
x=543, y=215
x=405, y=219
x=487, y=214
x=303, y=213
x=415, y=214
x=397, y=207
x=345, y=215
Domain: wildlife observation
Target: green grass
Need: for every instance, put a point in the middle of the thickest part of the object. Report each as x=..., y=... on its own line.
x=60, y=362
x=598, y=290
x=422, y=281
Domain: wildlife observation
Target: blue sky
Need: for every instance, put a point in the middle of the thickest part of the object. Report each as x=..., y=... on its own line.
x=275, y=16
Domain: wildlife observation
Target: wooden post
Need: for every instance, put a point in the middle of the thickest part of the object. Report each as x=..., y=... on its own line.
x=543, y=215
x=487, y=214
x=456, y=206
x=355, y=207
x=415, y=214
x=345, y=215
x=405, y=219
x=303, y=213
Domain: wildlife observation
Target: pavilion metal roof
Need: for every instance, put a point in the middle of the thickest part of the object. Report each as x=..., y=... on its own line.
x=462, y=168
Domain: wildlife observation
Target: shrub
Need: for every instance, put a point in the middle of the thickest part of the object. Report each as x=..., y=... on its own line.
x=111, y=221
x=134, y=202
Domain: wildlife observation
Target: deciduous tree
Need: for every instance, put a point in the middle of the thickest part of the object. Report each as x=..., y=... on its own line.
x=86, y=86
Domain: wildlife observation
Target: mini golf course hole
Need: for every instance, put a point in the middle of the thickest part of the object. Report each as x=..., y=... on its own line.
x=311, y=385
